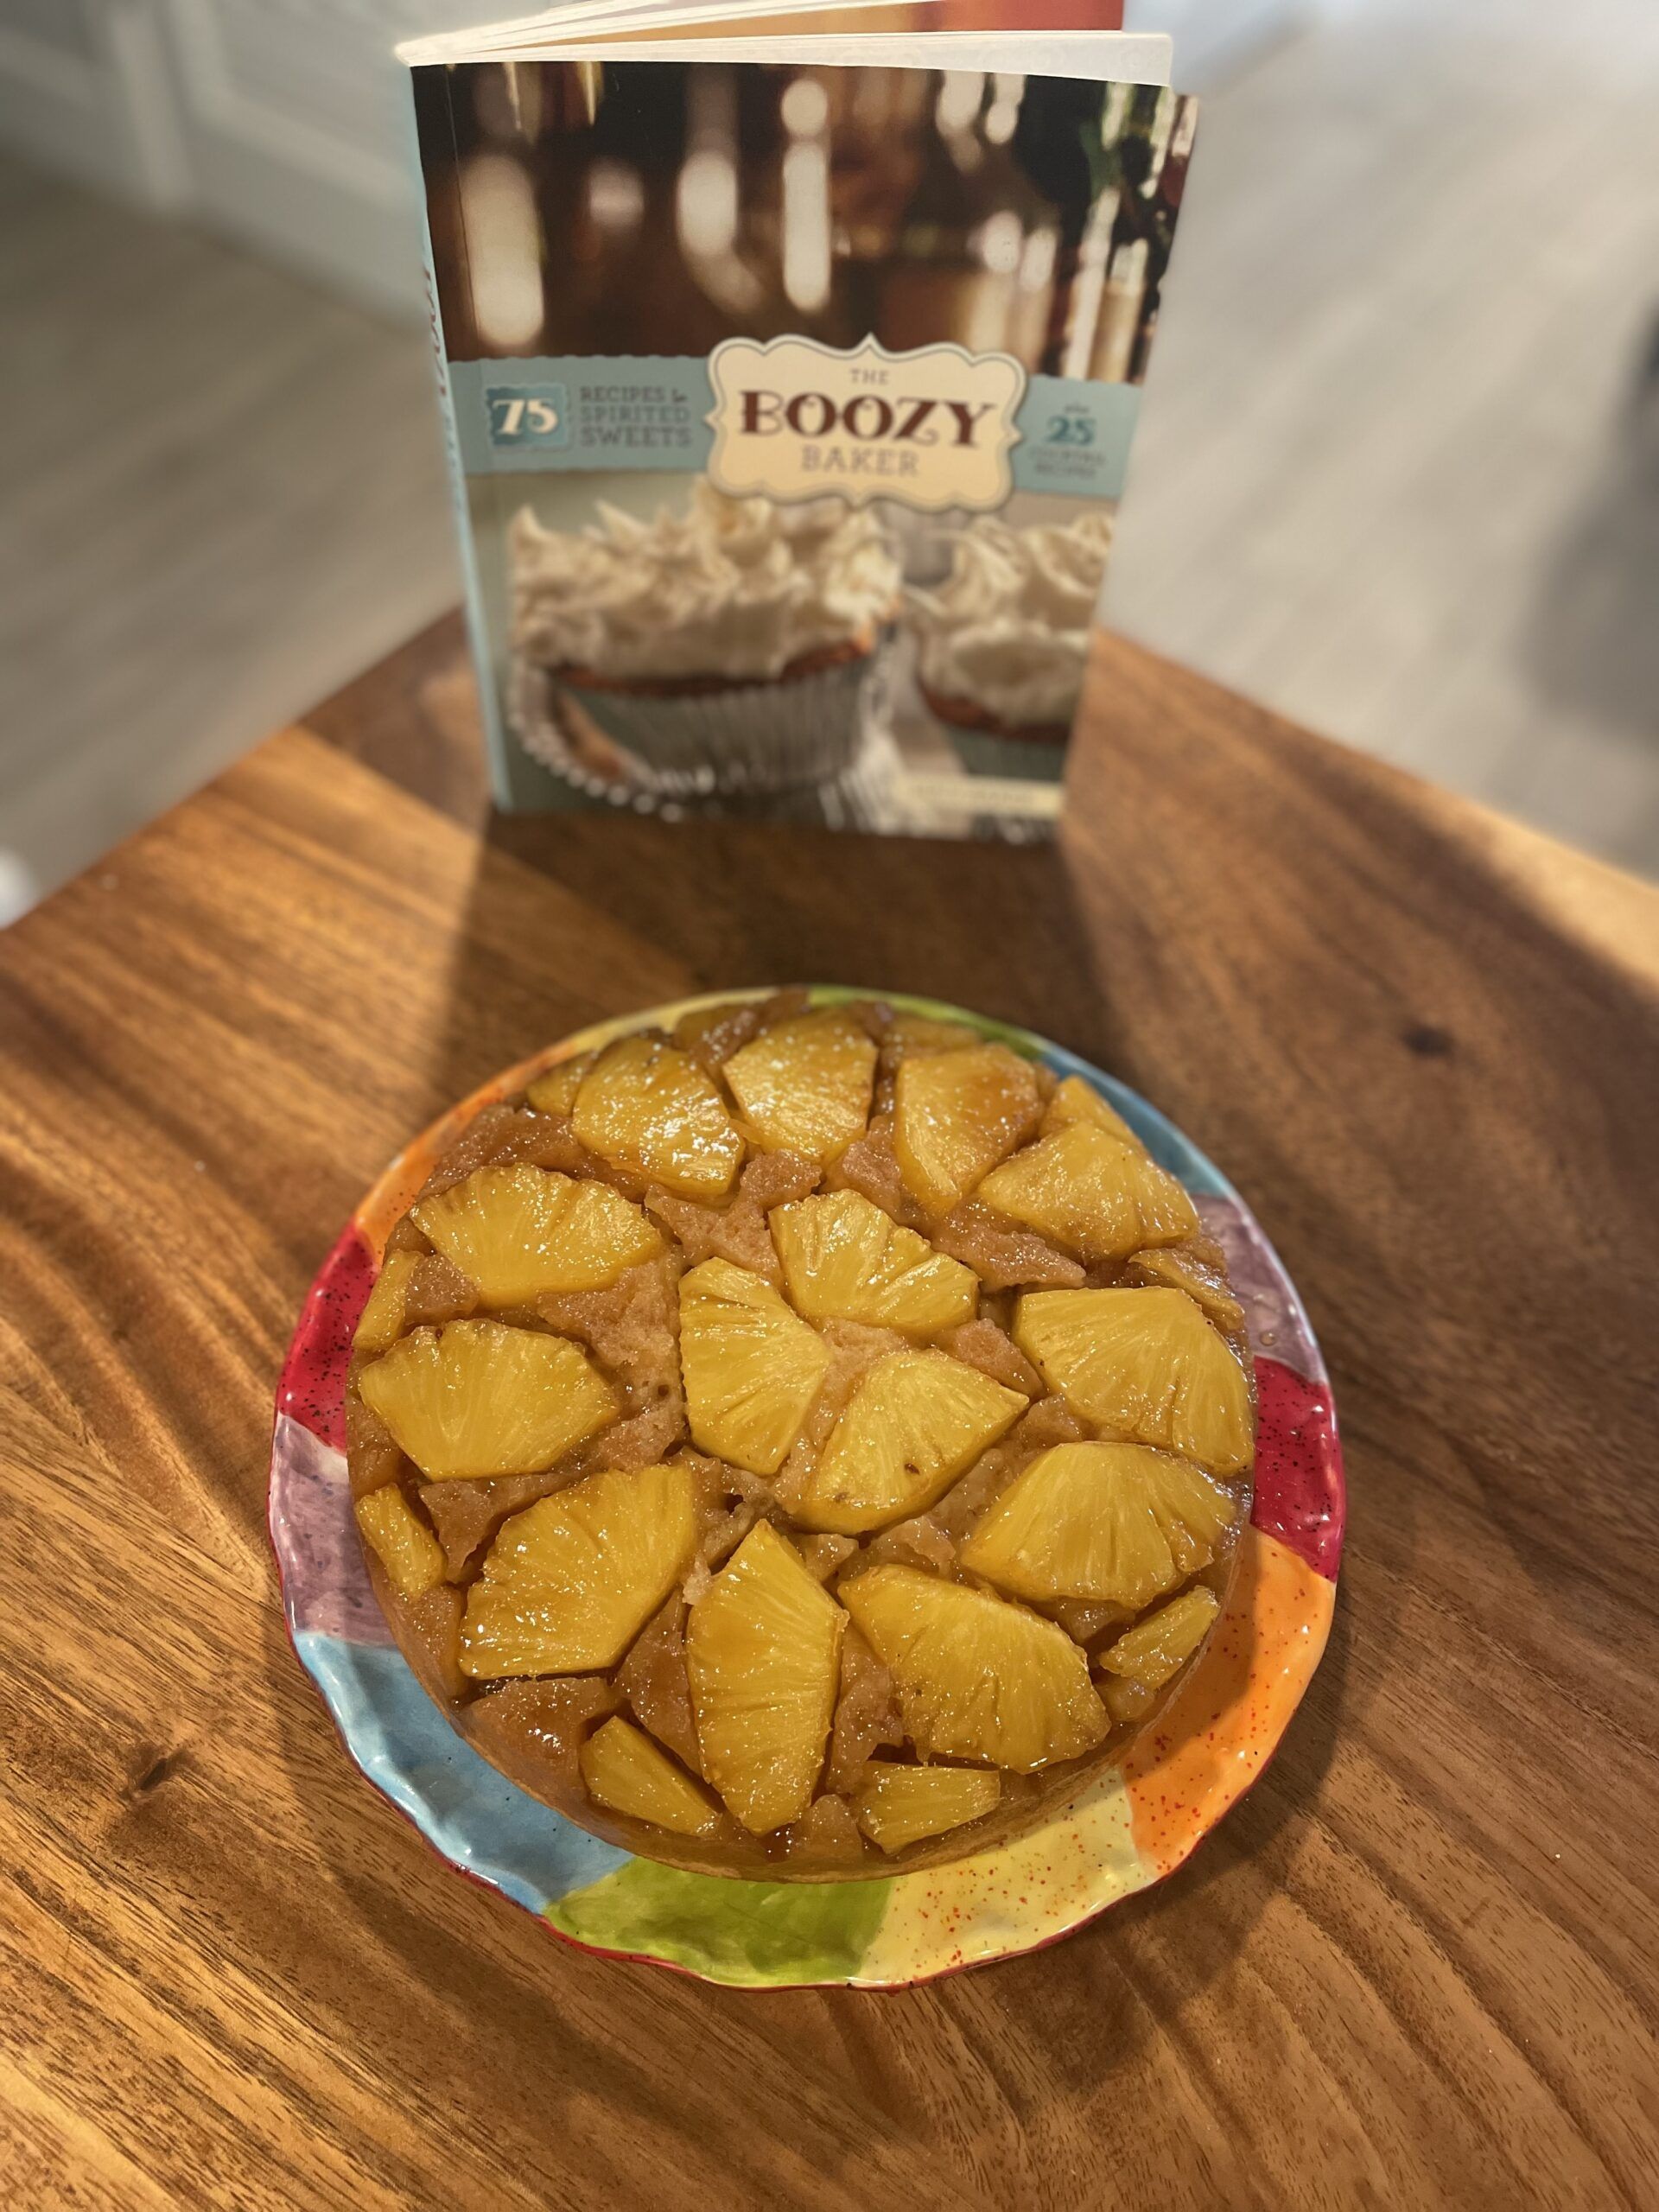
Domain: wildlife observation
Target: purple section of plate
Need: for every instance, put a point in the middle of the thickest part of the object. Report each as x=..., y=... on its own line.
x=1279, y=1328
x=325, y=1584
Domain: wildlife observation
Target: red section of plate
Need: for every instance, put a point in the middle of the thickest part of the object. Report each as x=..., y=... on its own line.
x=313, y=1386
x=1300, y=1496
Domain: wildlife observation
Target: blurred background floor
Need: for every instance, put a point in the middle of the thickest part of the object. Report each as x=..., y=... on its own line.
x=1398, y=473
x=221, y=494
x=1398, y=476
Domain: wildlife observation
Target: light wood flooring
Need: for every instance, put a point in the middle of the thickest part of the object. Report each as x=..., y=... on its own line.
x=1399, y=473
x=221, y=494
x=1398, y=470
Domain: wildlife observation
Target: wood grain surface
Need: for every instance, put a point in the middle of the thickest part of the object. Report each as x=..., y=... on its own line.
x=1415, y=1967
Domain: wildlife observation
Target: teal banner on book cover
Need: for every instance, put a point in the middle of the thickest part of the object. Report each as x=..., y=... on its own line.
x=606, y=412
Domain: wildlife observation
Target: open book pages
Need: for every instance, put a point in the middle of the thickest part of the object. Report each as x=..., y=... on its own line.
x=583, y=20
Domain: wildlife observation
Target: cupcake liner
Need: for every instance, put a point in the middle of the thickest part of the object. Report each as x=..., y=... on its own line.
x=780, y=736
x=988, y=747
x=1026, y=759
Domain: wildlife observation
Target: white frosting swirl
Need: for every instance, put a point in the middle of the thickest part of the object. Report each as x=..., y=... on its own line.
x=736, y=587
x=1008, y=631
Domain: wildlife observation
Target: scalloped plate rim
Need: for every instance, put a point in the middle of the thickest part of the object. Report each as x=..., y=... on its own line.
x=1153, y=1125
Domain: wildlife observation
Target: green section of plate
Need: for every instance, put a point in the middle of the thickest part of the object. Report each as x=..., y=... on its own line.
x=755, y=1934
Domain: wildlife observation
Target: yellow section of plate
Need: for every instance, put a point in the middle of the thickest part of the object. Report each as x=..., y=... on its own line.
x=1011, y=1899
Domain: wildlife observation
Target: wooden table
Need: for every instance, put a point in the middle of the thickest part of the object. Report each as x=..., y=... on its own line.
x=1416, y=1967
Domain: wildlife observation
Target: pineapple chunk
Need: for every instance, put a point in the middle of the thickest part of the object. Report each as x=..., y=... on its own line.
x=916, y=1421
x=751, y=1368
x=916, y=1034
x=1126, y=1700
x=556, y=1091
x=844, y=1260
x=803, y=1086
x=1110, y=1522
x=647, y=1106
x=764, y=1652
x=478, y=1398
x=977, y=1678
x=1158, y=1647
x=382, y=1320
x=405, y=1547
x=1144, y=1365
x=1186, y=1266
x=521, y=1233
x=623, y=1768
x=825, y=1555
x=956, y=1115
x=898, y=1805
x=1091, y=1194
x=1076, y=1101
x=569, y=1582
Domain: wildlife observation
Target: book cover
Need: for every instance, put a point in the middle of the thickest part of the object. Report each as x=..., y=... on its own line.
x=789, y=405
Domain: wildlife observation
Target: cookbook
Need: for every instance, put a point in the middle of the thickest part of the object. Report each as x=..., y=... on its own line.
x=790, y=363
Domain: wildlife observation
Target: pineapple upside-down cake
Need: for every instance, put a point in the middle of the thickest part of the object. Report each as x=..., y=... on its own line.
x=804, y=1446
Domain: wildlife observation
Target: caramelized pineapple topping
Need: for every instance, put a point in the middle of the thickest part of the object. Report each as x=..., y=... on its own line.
x=1091, y=1194
x=805, y=1086
x=898, y=1805
x=625, y=1770
x=1200, y=1269
x=783, y=1518
x=844, y=1260
x=521, y=1233
x=914, y=1423
x=1144, y=1365
x=381, y=1322
x=1111, y=1522
x=956, y=1115
x=1076, y=1101
x=763, y=1651
x=751, y=1368
x=978, y=1678
x=556, y=1091
x=1155, y=1648
x=569, y=1583
x=648, y=1107
x=409, y=1555
x=479, y=1398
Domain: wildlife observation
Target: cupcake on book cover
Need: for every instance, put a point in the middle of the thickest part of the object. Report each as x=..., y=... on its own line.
x=725, y=648
x=1003, y=644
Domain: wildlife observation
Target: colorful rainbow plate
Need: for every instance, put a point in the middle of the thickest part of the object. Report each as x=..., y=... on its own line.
x=1126, y=1829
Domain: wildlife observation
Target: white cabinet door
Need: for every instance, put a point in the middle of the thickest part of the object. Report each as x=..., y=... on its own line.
x=85, y=87
x=293, y=118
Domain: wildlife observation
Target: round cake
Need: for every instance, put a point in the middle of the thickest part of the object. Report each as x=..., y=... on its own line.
x=807, y=1446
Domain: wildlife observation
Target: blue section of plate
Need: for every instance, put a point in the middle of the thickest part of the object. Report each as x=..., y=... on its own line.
x=479, y=1820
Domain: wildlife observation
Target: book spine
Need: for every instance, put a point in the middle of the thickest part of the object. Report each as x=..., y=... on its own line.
x=478, y=631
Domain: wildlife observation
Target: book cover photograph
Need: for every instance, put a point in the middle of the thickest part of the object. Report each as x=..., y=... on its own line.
x=790, y=404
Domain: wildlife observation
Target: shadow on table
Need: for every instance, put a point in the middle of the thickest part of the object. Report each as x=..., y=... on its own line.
x=640, y=909
x=651, y=910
